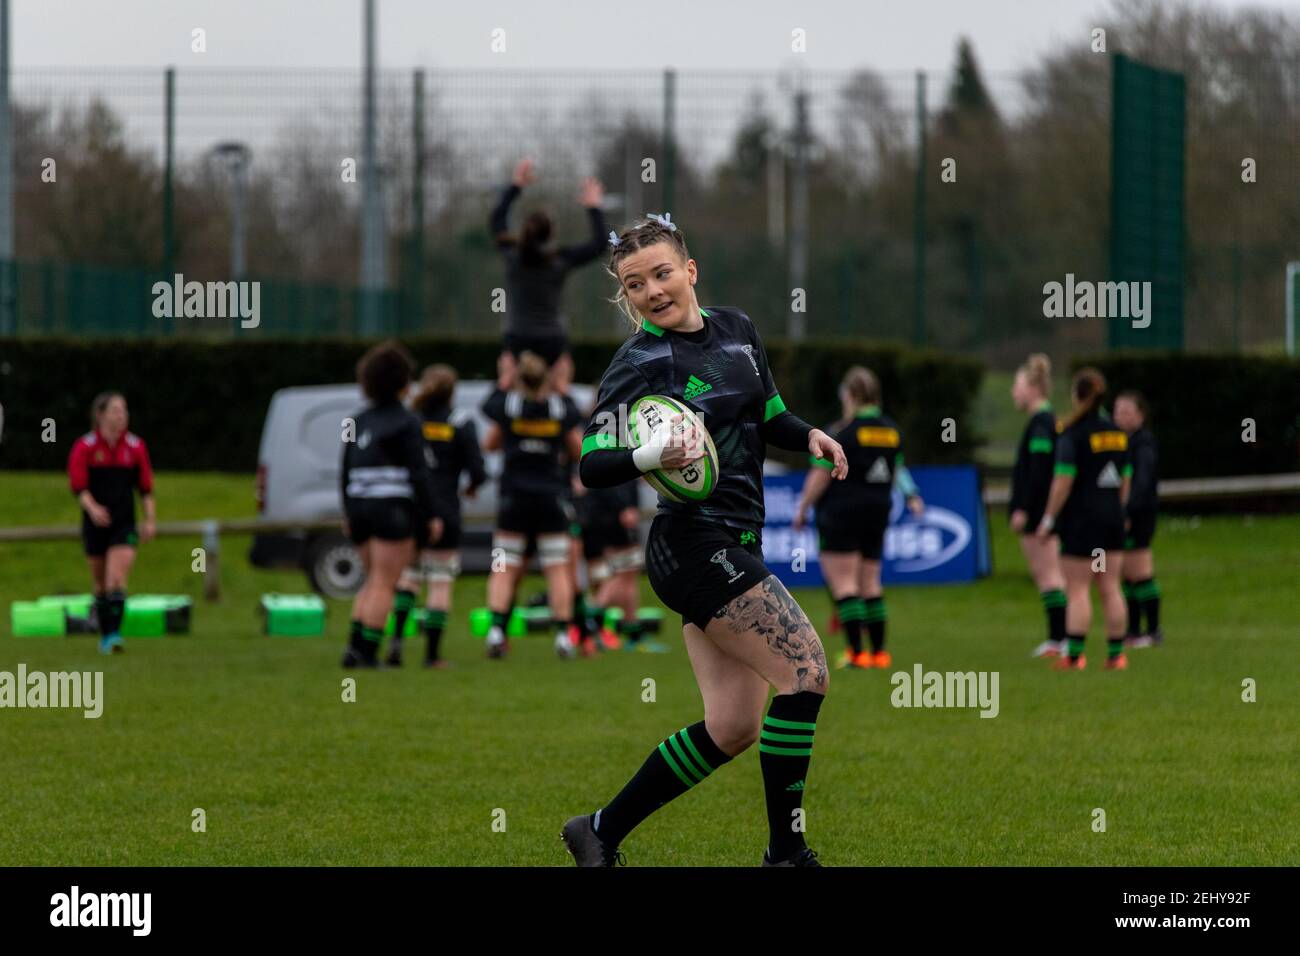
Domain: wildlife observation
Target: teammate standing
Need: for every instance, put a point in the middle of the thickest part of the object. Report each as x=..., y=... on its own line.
x=609, y=518
x=852, y=515
x=535, y=274
x=388, y=495
x=106, y=466
x=1031, y=480
x=453, y=445
x=743, y=631
x=537, y=429
x=1086, y=505
x=1140, y=587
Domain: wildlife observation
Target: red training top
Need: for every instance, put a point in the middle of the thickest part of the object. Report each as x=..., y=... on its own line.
x=111, y=472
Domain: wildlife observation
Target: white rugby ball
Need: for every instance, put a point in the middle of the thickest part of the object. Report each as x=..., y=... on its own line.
x=695, y=481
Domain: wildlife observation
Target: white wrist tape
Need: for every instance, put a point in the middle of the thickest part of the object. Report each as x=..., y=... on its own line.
x=649, y=455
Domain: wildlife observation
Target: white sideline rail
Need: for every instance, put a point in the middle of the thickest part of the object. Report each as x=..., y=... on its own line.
x=1190, y=489
x=1177, y=489
x=1182, y=489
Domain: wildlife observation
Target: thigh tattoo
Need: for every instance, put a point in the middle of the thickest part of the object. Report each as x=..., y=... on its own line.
x=773, y=615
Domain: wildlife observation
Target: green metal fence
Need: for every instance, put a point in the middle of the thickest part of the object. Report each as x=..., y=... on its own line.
x=894, y=250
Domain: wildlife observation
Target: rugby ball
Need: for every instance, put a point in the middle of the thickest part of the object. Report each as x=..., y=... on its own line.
x=697, y=480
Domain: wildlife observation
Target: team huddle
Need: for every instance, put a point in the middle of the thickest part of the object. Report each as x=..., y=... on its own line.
x=1082, y=488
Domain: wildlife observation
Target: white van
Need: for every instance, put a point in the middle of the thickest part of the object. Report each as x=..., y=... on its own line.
x=298, y=480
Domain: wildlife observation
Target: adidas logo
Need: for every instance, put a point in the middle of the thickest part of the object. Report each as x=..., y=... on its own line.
x=797, y=785
x=695, y=387
x=1109, y=477
x=879, y=472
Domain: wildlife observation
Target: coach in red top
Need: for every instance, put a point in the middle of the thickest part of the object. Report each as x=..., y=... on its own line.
x=105, y=468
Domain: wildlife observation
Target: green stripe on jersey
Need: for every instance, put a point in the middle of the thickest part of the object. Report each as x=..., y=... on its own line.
x=775, y=406
x=1064, y=469
x=600, y=440
x=1040, y=445
x=821, y=463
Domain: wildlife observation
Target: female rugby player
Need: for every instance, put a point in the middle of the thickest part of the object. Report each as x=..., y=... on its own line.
x=106, y=466
x=537, y=429
x=453, y=445
x=852, y=515
x=743, y=631
x=388, y=494
x=609, y=519
x=1086, y=506
x=1140, y=586
x=535, y=274
x=1030, y=481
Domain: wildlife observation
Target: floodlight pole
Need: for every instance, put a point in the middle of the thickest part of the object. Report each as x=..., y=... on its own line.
x=1292, y=272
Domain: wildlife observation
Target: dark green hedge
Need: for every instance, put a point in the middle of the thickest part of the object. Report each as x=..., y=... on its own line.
x=200, y=405
x=1198, y=403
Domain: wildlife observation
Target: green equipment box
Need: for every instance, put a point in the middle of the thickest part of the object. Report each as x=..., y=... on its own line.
x=294, y=615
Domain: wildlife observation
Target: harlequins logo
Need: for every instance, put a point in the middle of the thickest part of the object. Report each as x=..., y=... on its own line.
x=720, y=557
x=747, y=537
x=749, y=351
x=695, y=387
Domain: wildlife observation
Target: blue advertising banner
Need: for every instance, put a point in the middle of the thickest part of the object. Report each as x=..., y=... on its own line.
x=947, y=543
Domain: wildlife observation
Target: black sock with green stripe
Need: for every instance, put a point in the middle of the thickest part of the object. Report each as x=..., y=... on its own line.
x=676, y=765
x=852, y=610
x=435, y=619
x=875, y=616
x=1076, y=646
x=784, y=752
x=365, y=640
x=103, y=614
x=1114, y=647
x=403, y=603
x=1134, y=610
x=579, y=613
x=1054, y=605
x=117, y=609
x=1148, y=595
x=501, y=619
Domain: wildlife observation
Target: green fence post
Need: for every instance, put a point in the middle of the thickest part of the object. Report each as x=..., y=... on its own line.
x=918, y=246
x=670, y=143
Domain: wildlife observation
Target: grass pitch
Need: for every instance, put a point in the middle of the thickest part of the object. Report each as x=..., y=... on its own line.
x=253, y=729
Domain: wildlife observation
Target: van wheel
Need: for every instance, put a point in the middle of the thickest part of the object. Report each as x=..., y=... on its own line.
x=333, y=566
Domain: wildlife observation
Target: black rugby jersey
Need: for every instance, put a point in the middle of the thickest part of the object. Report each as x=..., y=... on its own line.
x=387, y=459
x=721, y=373
x=1031, y=478
x=597, y=505
x=534, y=292
x=873, y=446
x=452, y=438
x=1095, y=452
x=1144, y=454
x=533, y=441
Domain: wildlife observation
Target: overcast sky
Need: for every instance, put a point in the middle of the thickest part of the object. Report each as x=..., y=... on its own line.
x=607, y=34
